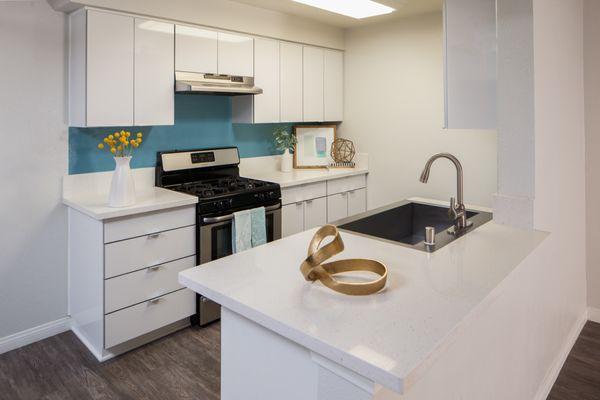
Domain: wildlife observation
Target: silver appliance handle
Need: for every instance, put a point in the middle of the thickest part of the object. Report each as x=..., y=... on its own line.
x=228, y=217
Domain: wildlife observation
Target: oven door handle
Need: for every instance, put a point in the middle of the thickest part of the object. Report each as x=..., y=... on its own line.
x=229, y=217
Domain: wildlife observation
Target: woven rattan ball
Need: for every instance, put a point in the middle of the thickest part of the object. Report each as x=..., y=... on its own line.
x=342, y=150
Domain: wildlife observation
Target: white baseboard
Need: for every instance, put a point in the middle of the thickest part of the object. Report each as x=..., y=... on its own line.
x=34, y=334
x=560, y=359
x=594, y=314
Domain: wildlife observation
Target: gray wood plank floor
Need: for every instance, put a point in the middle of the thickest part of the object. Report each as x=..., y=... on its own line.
x=183, y=365
x=579, y=378
x=186, y=365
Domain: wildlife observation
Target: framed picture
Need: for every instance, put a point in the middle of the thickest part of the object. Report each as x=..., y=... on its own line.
x=313, y=145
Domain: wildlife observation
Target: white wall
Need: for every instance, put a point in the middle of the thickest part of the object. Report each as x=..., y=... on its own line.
x=394, y=111
x=592, y=121
x=225, y=14
x=33, y=248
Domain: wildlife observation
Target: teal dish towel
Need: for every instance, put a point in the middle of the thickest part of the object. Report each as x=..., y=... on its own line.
x=249, y=229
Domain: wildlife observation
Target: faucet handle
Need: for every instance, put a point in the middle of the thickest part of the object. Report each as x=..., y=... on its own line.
x=452, y=214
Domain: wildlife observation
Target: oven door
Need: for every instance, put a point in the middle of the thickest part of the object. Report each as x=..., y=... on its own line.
x=214, y=242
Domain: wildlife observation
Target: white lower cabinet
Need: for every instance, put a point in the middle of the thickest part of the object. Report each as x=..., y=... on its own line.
x=357, y=201
x=337, y=206
x=315, y=213
x=123, y=289
x=292, y=216
x=316, y=204
x=303, y=215
x=142, y=318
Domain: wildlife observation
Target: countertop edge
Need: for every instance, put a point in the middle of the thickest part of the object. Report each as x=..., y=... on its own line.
x=129, y=211
x=304, y=181
x=341, y=357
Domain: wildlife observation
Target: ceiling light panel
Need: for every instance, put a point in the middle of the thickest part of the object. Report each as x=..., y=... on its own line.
x=358, y=9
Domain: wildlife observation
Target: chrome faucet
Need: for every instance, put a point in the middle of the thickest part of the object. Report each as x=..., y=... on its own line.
x=457, y=211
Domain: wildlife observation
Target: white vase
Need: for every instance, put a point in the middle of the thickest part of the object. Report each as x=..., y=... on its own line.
x=287, y=161
x=122, y=189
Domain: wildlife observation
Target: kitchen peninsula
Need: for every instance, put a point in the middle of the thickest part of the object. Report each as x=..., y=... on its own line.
x=381, y=346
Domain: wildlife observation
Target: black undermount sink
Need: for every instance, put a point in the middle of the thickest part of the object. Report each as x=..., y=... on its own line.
x=405, y=222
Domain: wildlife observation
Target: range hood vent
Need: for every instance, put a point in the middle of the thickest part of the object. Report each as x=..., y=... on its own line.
x=196, y=83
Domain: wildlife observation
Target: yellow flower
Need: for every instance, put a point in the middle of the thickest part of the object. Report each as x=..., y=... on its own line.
x=126, y=143
x=100, y=146
x=139, y=134
x=139, y=140
x=119, y=148
x=113, y=150
x=123, y=139
x=132, y=142
x=106, y=140
x=135, y=144
x=122, y=132
x=117, y=134
x=111, y=137
x=128, y=134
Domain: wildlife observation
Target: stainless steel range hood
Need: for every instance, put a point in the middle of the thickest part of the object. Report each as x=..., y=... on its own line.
x=191, y=82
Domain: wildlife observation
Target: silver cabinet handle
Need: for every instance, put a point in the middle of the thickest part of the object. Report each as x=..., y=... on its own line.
x=154, y=268
x=308, y=201
x=153, y=235
x=299, y=203
x=154, y=301
x=351, y=192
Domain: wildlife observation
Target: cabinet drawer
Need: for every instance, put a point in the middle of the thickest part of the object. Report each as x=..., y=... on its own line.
x=140, y=319
x=303, y=192
x=145, y=251
x=346, y=184
x=129, y=289
x=139, y=225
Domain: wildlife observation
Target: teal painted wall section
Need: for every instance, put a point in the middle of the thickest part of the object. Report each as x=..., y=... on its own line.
x=200, y=122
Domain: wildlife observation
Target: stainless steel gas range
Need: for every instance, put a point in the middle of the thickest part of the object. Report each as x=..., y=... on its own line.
x=213, y=175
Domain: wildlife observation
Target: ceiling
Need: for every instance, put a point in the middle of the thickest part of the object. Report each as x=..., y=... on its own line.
x=404, y=8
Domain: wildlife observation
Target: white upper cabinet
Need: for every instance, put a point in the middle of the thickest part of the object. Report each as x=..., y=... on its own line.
x=235, y=54
x=291, y=82
x=313, y=95
x=154, y=71
x=195, y=50
x=470, y=64
x=333, y=92
x=266, y=77
x=105, y=81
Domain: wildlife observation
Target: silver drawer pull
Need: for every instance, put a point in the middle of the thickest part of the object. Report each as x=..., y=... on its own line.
x=153, y=268
x=154, y=235
x=308, y=201
x=351, y=192
x=155, y=301
x=299, y=203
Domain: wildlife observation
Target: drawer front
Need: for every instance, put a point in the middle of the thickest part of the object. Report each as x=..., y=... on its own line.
x=337, y=207
x=143, y=318
x=140, y=225
x=295, y=194
x=136, y=287
x=146, y=251
x=346, y=184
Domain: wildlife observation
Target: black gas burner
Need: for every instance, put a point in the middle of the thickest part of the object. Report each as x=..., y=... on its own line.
x=208, y=189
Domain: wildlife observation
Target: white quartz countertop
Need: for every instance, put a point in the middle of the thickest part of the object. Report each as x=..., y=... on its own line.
x=304, y=176
x=148, y=199
x=390, y=337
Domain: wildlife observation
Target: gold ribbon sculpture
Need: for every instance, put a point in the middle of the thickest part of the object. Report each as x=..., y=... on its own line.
x=314, y=268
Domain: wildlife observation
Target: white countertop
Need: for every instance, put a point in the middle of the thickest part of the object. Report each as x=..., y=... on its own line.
x=303, y=176
x=88, y=193
x=267, y=169
x=390, y=337
x=148, y=199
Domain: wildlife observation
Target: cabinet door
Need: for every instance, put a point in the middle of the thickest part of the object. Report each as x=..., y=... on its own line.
x=292, y=219
x=195, y=50
x=357, y=202
x=154, y=71
x=235, y=54
x=470, y=64
x=315, y=213
x=337, y=207
x=109, y=69
x=312, y=84
x=333, y=81
x=266, y=77
x=291, y=82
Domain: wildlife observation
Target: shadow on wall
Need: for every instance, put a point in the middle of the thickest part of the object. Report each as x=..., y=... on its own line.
x=201, y=121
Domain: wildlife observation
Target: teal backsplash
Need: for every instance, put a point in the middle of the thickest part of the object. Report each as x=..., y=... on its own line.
x=201, y=121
